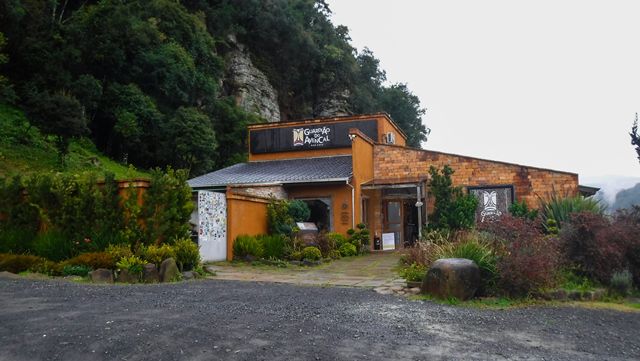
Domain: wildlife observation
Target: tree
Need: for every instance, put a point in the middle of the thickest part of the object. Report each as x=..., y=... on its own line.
x=453, y=208
x=635, y=138
x=7, y=95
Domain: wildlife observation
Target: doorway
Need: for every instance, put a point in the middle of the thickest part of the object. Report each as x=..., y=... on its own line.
x=393, y=223
x=320, y=213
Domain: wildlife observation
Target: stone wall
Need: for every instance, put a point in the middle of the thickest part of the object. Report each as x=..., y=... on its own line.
x=277, y=192
x=395, y=163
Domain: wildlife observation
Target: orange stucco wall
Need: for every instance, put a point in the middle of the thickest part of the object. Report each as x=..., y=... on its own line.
x=245, y=215
x=362, y=163
x=340, y=196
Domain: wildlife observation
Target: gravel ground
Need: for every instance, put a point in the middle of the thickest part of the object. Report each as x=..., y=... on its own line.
x=229, y=320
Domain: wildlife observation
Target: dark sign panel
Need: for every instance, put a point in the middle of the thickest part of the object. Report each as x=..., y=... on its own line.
x=493, y=201
x=302, y=137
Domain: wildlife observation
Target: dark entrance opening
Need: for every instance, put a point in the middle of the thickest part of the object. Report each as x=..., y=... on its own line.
x=320, y=213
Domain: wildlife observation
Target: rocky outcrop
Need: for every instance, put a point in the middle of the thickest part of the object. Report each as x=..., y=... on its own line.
x=333, y=105
x=248, y=85
x=169, y=271
x=452, y=277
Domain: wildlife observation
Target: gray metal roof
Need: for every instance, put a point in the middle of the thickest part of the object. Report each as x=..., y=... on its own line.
x=305, y=170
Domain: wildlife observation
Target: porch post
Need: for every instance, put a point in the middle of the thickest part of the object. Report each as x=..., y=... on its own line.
x=419, y=206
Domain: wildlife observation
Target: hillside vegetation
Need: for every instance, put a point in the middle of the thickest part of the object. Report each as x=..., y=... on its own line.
x=24, y=150
x=145, y=80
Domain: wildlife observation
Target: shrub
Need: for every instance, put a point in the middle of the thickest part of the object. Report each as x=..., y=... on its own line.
x=334, y=254
x=93, y=260
x=16, y=240
x=325, y=243
x=521, y=210
x=296, y=256
x=594, y=246
x=299, y=211
x=311, y=254
x=157, y=254
x=76, y=270
x=621, y=283
x=359, y=237
x=337, y=239
x=414, y=273
x=133, y=264
x=119, y=251
x=53, y=245
x=528, y=261
x=274, y=246
x=16, y=263
x=348, y=250
x=187, y=254
x=561, y=208
x=47, y=267
x=246, y=247
x=453, y=208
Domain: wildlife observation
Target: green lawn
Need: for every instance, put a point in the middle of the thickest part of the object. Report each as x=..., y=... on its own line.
x=24, y=150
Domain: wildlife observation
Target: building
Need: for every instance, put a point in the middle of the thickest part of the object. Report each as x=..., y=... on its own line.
x=349, y=170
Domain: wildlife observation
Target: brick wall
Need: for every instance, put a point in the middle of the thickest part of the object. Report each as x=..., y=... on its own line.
x=397, y=163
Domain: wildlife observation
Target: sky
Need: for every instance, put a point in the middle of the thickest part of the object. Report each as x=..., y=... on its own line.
x=552, y=84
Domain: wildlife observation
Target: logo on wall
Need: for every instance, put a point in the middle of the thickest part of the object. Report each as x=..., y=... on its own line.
x=493, y=201
x=490, y=205
x=298, y=137
x=313, y=137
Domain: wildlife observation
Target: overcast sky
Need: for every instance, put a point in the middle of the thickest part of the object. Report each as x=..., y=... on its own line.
x=554, y=84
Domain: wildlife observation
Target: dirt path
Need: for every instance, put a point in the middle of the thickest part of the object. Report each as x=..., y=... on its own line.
x=372, y=270
x=228, y=320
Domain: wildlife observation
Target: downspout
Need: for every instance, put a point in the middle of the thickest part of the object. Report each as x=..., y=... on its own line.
x=353, y=205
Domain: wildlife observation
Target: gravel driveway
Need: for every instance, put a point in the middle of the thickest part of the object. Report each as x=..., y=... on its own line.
x=229, y=320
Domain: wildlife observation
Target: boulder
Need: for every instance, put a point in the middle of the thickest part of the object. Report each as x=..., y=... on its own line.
x=169, y=270
x=125, y=276
x=452, y=277
x=150, y=273
x=188, y=275
x=101, y=275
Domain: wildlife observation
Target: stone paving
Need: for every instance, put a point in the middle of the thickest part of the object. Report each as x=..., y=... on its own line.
x=375, y=270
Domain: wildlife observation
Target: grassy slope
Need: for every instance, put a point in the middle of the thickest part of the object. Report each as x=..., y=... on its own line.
x=24, y=150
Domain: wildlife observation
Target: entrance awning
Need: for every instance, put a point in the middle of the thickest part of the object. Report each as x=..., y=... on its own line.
x=394, y=183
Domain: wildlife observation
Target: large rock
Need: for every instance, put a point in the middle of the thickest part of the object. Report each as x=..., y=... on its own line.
x=150, y=273
x=452, y=277
x=101, y=275
x=334, y=104
x=248, y=85
x=125, y=276
x=169, y=271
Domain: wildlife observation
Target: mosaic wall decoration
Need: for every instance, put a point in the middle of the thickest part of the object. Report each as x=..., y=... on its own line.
x=493, y=201
x=212, y=225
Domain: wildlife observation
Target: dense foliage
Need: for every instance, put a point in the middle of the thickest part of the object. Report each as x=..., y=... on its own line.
x=143, y=79
x=453, y=208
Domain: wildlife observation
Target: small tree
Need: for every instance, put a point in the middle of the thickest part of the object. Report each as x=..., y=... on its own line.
x=453, y=208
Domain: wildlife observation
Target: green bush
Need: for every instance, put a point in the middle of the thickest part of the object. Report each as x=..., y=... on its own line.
x=296, y=256
x=348, y=250
x=119, y=251
x=311, y=253
x=521, y=210
x=16, y=240
x=16, y=263
x=334, y=254
x=187, y=254
x=299, y=211
x=337, y=238
x=53, y=245
x=414, y=272
x=274, y=245
x=76, y=270
x=453, y=208
x=133, y=264
x=92, y=260
x=282, y=215
x=557, y=210
x=621, y=283
x=359, y=237
x=246, y=247
x=157, y=254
